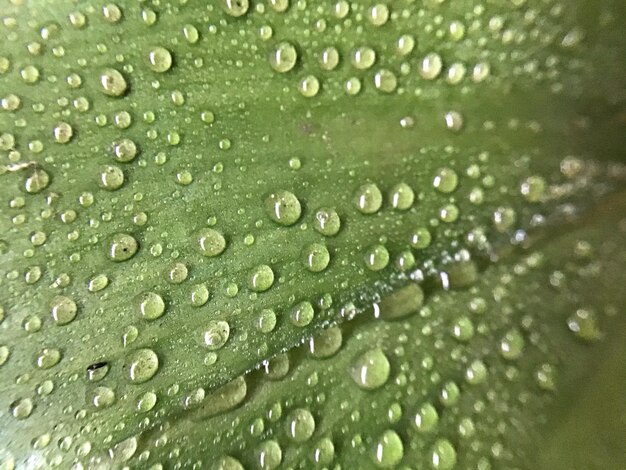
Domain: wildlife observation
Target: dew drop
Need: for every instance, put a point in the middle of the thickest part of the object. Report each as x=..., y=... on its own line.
x=268, y=455
x=300, y=425
x=385, y=81
x=445, y=180
x=142, y=365
x=266, y=321
x=111, y=177
x=216, y=334
x=363, y=58
x=211, y=242
x=431, y=66
x=48, y=357
x=401, y=196
x=443, y=455
x=160, y=59
x=326, y=343
x=125, y=150
x=150, y=305
x=426, y=418
x=376, y=257
x=370, y=370
x=22, y=408
x=316, y=257
x=309, y=86
x=283, y=57
x=146, y=402
x=121, y=247
x=388, y=450
x=302, y=314
x=283, y=207
x=37, y=181
x=101, y=397
x=236, y=8
x=113, y=83
x=368, y=198
x=261, y=278
x=63, y=310
x=327, y=221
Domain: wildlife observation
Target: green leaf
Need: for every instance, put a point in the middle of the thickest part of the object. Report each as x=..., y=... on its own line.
x=193, y=191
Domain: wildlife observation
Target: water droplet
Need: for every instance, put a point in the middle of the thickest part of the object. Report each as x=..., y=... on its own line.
x=199, y=295
x=121, y=247
x=48, y=357
x=401, y=196
x=101, y=397
x=504, y=218
x=216, y=334
x=37, y=181
x=546, y=377
x=98, y=283
x=371, y=369
x=146, y=402
x=283, y=207
x=150, y=305
x=329, y=58
x=125, y=150
x=376, y=257
x=266, y=321
x=236, y=8
x=160, y=59
x=22, y=408
x=584, y=324
x=431, y=66
x=327, y=221
x=316, y=257
x=261, y=278
x=324, y=452
x=446, y=180
x=512, y=345
x=113, y=83
x=533, y=188
x=63, y=310
x=426, y=418
x=228, y=463
x=363, y=58
x=142, y=365
x=388, y=450
x=97, y=371
x=463, y=329
x=178, y=273
x=420, y=238
x=449, y=394
x=326, y=343
x=111, y=177
x=284, y=57
x=453, y=120
x=443, y=455
x=378, y=14
x=63, y=133
x=385, y=81
x=268, y=455
x=123, y=451
x=212, y=242
x=402, y=302
x=476, y=372
x=300, y=425
x=309, y=86
x=368, y=198
x=302, y=314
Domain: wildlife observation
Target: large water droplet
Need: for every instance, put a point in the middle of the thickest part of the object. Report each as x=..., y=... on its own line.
x=142, y=365
x=283, y=207
x=371, y=369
